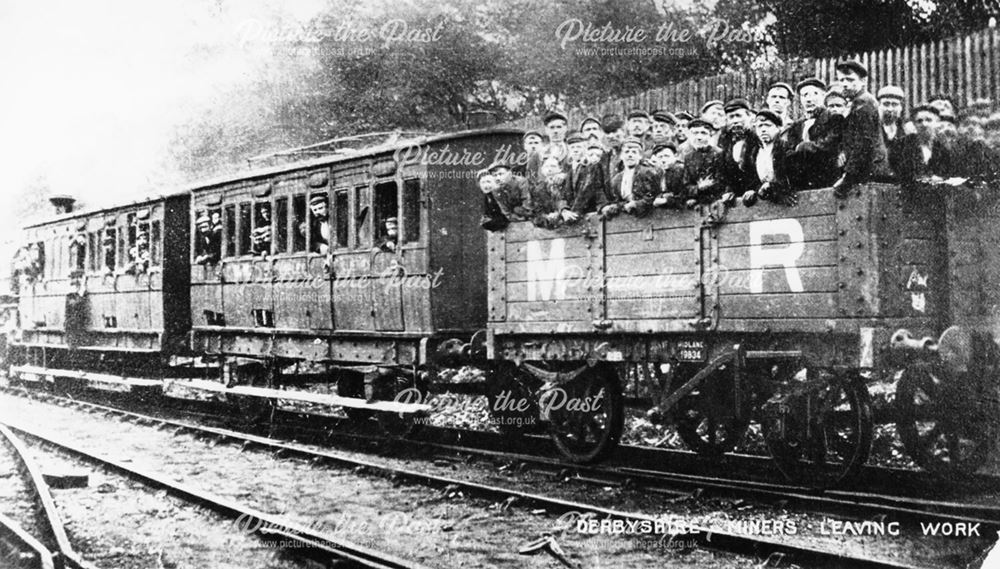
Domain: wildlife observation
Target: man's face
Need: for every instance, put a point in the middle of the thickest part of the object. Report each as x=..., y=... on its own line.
x=203, y=226
x=638, y=126
x=738, y=119
x=550, y=168
x=890, y=108
x=532, y=143
x=850, y=82
x=318, y=209
x=700, y=136
x=943, y=106
x=577, y=151
x=766, y=130
x=682, y=130
x=715, y=115
x=662, y=130
x=811, y=98
x=665, y=158
x=615, y=137
x=591, y=129
x=837, y=106
x=556, y=129
x=216, y=217
x=487, y=183
x=631, y=154
x=391, y=229
x=594, y=154
x=926, y=123
x=502, y=175
x=778, y=100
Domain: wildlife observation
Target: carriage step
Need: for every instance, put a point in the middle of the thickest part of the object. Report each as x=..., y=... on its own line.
x=30, y=373
x=307, y=397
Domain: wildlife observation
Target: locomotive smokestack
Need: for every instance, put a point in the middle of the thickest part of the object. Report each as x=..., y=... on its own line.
x=62, y=203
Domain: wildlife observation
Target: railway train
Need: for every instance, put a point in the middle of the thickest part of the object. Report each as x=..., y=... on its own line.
x=251, y=285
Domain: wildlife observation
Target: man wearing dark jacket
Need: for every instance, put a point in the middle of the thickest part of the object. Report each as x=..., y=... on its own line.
x=703, y=168
x=866, y=157
x=812, y=143
x=924, y=154
x=890, y=107
x=736, y=141
x=636, y=186
x=765, y=164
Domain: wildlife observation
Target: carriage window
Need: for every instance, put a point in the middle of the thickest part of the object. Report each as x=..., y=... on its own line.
x=386, y=206
x=122, y=248
x=93, y=240
x=299, y=227
x=229, y=215
x=411, y=210
x=108, y=248
x=261, y=236
x=155, y=239
x=281, y=225
x=244, y=229
x=319, y=223
x=362, y=225
x=78, y=251
x=340, y=210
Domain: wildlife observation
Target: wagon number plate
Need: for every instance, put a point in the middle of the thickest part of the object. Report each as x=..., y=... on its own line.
x=691, y=351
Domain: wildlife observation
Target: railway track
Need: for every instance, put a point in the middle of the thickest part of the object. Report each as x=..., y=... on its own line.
x=706, y=536
x=46, y=545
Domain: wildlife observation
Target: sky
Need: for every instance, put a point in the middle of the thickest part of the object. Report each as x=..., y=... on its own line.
x=92, y=91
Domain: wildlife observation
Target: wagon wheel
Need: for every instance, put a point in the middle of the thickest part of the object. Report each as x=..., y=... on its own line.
x=819, y=432
x=253, y=411
x=936, y=424
x=352, y=384
x=510, y=394
x=586, y=417
x=399, y=425
x=709, y=420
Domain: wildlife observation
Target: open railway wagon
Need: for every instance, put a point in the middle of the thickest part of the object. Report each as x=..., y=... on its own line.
x=779, y=314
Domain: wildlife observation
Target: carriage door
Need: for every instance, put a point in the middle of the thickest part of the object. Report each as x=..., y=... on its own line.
x=386, y=268
x=206, y=268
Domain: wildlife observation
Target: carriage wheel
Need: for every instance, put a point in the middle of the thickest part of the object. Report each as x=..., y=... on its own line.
x=586, y=417
x=510, y=394
x=254, y=411
x=352, y=384
x=936, y=424
x=819, y=432
x=708, y=420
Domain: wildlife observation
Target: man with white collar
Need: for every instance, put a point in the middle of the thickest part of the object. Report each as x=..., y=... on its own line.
x=890, y=108
x=634, y=188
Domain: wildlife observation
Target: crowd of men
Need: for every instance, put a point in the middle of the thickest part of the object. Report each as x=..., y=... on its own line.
x=733, y=153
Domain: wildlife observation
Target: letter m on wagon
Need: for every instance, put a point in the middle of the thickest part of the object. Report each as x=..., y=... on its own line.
x=546, y=273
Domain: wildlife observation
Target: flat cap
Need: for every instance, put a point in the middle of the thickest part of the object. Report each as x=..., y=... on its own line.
x=810, y=82
x=736, y=104
x=711, y=104
x=852, y=65
x=611, y=123
x=498, y=165
x=891, y=91
x=661, y=147
x=532, y=133
x=702, y=123
x=770, y=117
x=664, y=116
x=590, y=118
x=683, y=115
x=633, y=141
x=638, y=114
x=574, y=137
x=554, y=115
x=927, y=108
x=781, y=85
x=316, y=198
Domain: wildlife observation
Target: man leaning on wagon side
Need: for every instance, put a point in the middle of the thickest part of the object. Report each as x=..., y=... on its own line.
x=703, y=170
x=634, y=188
x=866, y=157
x=812, y=143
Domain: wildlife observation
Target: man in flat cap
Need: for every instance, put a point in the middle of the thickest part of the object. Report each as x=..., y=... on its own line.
x=714, y=112
x=511, y=192
x=590, y=127
x=866, y=156
x=634, y=188
x=637, y=124
x=319, y=224
x=662, y=130
x=765, y=163
x=924, y=154
x=812, y=143
x=736, y=140
x=703, y=170
x=680, y=129
x=665, y=158
x=207, y=244
x=577, y=163
x=532, y=142
x=779, y=100
x=555, y=127
x=390, y=236
x=890, y=107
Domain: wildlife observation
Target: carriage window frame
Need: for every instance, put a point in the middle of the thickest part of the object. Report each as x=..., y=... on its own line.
x=411, y=200
x=381, y=190
x=229, y=230
x=244, y=227
x=341, y=226
x=299, y=216
x=93, y=241
x=254, y=226
x=279, y=217
x=362, y=217
x=155, y=243
x=310, y=221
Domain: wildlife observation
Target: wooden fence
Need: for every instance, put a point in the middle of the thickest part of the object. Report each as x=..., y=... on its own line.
x=966, y=67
